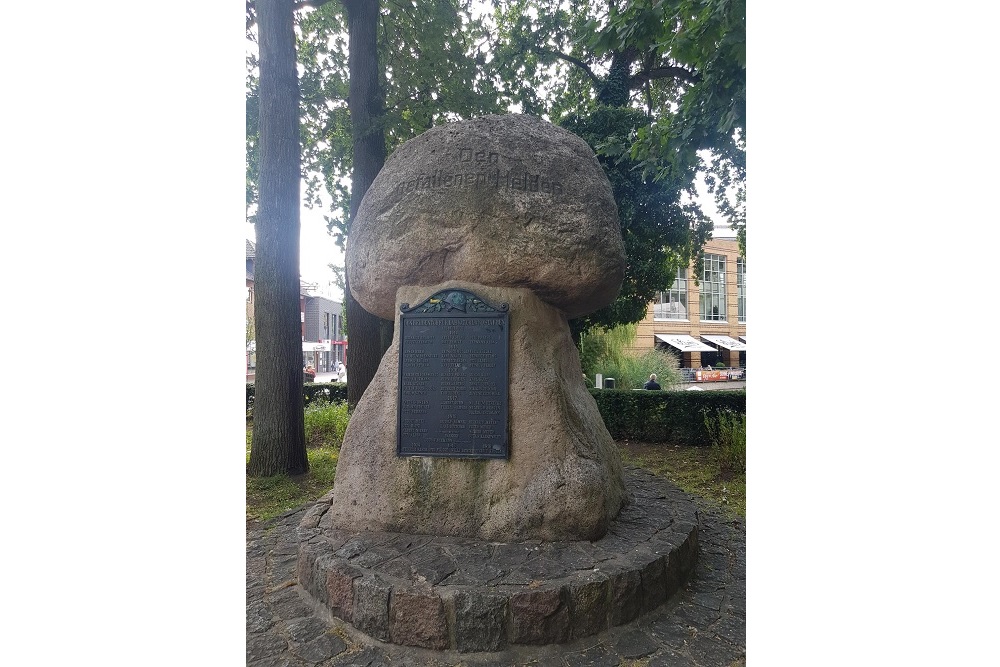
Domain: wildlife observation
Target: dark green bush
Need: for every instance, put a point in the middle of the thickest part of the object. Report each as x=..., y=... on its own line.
x=677, y=417
x=329, y=391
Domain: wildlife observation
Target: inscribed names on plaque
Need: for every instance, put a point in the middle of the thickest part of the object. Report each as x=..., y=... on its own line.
x=453, y=364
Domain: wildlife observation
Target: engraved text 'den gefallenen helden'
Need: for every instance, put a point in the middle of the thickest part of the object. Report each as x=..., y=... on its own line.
x=480, y=169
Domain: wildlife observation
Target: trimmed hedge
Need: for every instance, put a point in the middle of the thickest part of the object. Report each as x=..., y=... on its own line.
x=331, y=391
x=676, y=417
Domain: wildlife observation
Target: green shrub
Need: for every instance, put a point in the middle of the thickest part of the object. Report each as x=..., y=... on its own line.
x=325, y=423
x=328, y=391
x=728, y=432
x=665, y=416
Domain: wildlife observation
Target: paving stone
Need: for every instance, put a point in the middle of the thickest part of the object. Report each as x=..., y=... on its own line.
x=509, y=556
x=635, y=643
x=398, y=568
x=264, y=645
x=375, y=556
x=696, y=614
x=475, y=574
x=711, y=600
x=732, y=629
x=625, y=596
x=371, y=606
x=283, y=568
x=480, y=621
x=670, y=631
x=340, y=589
x=368, y=657
x=352, y=548
x=589, y=605
x=436, y=569
x=595, y=656
x=539, y=617
x=713, y=652
x=686, y=631
x=259, y=617
x=305, y=569
x=302, y=630
x=654, y=584
x=288, y=546
x=284, y=660
x=321, y=648
x=577, y=558
x=286, y=604
x=417, y=618
x=671, y=658
x=516, y=577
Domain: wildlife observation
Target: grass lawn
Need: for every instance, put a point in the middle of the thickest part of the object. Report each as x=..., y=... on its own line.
x=268, y=497
x=693, y=469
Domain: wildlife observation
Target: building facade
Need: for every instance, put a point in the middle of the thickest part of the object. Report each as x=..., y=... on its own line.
x=702, y=322
x=251, y=344
x=323, y=340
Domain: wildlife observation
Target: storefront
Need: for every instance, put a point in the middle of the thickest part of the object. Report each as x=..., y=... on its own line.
x=732, y=351
x=317, y=355
x=686, y=347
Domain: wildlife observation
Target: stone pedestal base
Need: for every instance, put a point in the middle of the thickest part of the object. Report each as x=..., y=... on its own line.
x=472, y=595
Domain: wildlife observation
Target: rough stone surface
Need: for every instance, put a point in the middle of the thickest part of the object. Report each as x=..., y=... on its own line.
x=474, y=595
x=539, y=617
x=563, y=480
x=503, y=200
x=480, y=621
x=588, y=601
x=417, y=618
x=371, y=606
x=680, y=636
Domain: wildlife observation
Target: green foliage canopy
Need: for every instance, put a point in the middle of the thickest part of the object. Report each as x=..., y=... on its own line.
x=658, y=89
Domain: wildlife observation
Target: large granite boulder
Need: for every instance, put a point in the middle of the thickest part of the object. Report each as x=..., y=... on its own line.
x=499, y=200
x=516, y=211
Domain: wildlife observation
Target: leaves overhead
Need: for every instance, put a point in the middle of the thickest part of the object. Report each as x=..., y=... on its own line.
x=657, y=87
x=433, y=59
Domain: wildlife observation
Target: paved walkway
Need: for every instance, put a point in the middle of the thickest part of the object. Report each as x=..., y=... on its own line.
x=702, y=626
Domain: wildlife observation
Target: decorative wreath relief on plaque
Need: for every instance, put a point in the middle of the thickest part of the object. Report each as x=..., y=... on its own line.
x=453, y=365
x=452, y=300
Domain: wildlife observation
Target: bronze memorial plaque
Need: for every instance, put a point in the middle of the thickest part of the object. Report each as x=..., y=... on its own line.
x=453, y=377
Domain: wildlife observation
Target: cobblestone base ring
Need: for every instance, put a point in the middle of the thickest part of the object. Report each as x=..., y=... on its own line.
x=472, y=595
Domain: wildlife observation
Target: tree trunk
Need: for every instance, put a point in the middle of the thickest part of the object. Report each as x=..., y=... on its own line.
x=369, y=335
x=279, y=444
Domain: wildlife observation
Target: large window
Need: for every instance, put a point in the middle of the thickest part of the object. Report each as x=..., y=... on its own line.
x=673, y=304
x=741, y=290
x=713, y=289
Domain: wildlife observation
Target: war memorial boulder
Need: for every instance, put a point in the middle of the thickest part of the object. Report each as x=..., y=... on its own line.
x=515, y=211
x=479, y=500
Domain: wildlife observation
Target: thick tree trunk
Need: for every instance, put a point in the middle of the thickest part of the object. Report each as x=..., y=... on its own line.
x=278, y=444
x=369, y=335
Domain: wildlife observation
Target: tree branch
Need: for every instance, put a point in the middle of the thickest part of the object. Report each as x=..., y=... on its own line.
x=570, y=59
x=669, y=72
